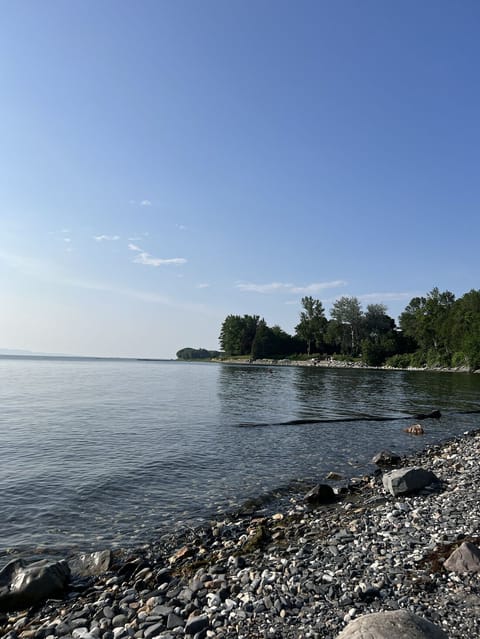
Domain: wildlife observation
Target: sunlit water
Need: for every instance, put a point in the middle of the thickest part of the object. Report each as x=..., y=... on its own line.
x=100, y=454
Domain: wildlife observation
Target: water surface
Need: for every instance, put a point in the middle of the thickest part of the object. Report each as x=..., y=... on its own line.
x=102, y=453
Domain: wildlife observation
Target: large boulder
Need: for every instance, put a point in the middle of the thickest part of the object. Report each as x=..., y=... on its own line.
x=22, y=586
x=466, y=558
x=408, y=480
x=393, y=624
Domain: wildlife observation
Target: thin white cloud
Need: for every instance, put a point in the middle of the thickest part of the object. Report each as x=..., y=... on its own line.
x=134, y=247
x=382, y=297
x=149, y=260
x=203, y=285
x=182, y=227
x=47, y=271
x=67, y=239
x=145, y=203
x=106, y=238
x=281, y=287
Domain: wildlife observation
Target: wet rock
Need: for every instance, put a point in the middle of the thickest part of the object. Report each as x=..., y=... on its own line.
x=320, y=494
x=408, y=480
x=414, y=429
x=333, y=476
x=386, y=458
x=396, y=624
x=466, y=558
x=22, y=586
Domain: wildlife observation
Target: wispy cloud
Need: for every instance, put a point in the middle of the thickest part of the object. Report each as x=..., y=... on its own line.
x=182, y=227
x=149, y=260
x=106, y=238
x=386, y=297
x=144, y=202
x=134, y=247
x=67, y=239
x=281, y=287
x=203, y=285
x=50, y=272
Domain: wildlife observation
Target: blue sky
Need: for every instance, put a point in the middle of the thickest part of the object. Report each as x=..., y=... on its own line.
x=164, y=164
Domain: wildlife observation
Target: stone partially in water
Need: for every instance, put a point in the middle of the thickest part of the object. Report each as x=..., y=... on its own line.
x=386, y=458
x=466, y=558
x=415, y=429
x=396, y=624
x=408, y=480
x=22, y=586
x=333, y=476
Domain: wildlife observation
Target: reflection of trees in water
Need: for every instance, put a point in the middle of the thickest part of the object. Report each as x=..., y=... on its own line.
x=256, y=393
x=336, y=393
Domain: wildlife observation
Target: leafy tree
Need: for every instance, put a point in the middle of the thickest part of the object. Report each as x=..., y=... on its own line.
x=428, y=320
x=237, y=334
x=313, y=323
x=377, y=322
x=196, y=353
x=348, y=317
x=262, y=342
x=465, y=330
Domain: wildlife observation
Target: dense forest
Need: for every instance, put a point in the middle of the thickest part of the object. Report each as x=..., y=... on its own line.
x=434, y=331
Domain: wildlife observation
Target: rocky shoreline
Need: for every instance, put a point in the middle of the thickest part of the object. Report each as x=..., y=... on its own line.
x=306, y=572
x=334, y=363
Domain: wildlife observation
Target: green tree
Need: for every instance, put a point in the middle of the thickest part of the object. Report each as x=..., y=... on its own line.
x=465, y=330
x=196, y=353
x=428, y=320
x=237, y=334
x=348, y=317
x=380, y=337
x=313, y=323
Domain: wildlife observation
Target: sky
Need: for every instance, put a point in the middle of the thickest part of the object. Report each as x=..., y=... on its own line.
x=164, y=164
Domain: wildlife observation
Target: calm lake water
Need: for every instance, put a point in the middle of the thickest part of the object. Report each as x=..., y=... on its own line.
x=105, y=453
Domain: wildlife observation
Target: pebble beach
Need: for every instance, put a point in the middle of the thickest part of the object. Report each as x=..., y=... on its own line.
x=304, y=572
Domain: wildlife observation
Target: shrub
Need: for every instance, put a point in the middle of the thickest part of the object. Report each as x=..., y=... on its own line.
x=399, y=361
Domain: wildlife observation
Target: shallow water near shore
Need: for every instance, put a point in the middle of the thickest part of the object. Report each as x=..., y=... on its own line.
x=108, y=453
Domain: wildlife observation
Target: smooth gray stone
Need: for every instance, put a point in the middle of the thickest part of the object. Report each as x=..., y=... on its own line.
x=394, y=624
x=173, y=621
x=90, y=564
x=119, y=620
x=466, y=558
x=152, y=631
x=408, y=480
x=196, y=624
x=22, y=586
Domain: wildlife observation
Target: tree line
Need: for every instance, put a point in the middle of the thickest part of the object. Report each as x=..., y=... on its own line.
x=435, y=331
